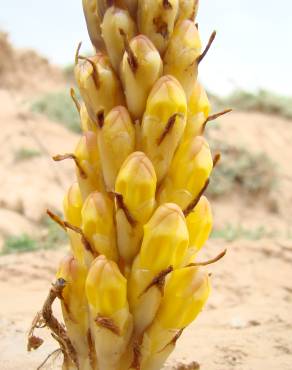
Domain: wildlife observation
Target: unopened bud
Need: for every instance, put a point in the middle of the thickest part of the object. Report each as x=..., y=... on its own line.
x=190, y=169
x=114, y=20
x=180, y=58
x=116, y=142
x=156, y=19
x=74, y=304
x=106, y=288
x=188, y=9
x=98, y=85
x=98, y=224
x=139, y=75
x=93, y=21
x=163, y=123
x=136, y=184
x=185, y=294
x=88, y=156
x=165, y=239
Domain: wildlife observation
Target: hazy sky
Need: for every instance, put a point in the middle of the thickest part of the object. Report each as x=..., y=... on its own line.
x=253, y=48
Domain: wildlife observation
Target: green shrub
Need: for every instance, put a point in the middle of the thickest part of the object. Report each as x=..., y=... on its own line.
x=52, y=237
x=260, y=101
x=60, y=108
x=240, y=169
x=234, y=232
x=24, y=154
x=19, y=244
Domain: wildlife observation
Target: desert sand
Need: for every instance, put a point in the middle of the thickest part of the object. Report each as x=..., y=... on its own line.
x=247, y=323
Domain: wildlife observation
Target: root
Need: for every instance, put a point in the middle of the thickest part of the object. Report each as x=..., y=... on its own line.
x=45, y=318
x=48, y=357
x=33, y=341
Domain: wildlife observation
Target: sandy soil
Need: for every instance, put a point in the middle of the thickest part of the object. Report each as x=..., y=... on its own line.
x=247, y=323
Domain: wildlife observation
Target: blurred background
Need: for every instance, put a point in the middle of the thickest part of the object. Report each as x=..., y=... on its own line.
x=248, y=317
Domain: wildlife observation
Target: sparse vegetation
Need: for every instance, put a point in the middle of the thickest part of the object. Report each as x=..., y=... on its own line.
x=19, y=244
x=253, y=173
x=24, y=154
x=60, y=108
x=52, y=236
x=261, y=101
x=234, y=232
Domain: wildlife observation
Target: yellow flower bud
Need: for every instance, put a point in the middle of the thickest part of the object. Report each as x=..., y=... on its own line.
x=93, y=22
x=114, y=20
x=188, y=9
x=74, y=292
x=98, y=224
x=164, y=246
x=89, y=174
x=180, y=58
x=74, y=305
x=111, y=321
x=98, y=85
x=185, y=294
x=165, y=239
x=72, y=205
x=156, y=19
x=190, y=169
x=140, y=68
x=136, y=183
x=199, y=223
x=116, y=142
x=106, y=287
x=163, y=123
x=198, y=111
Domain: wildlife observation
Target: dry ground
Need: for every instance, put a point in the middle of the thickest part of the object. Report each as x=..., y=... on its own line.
x=246, y=325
